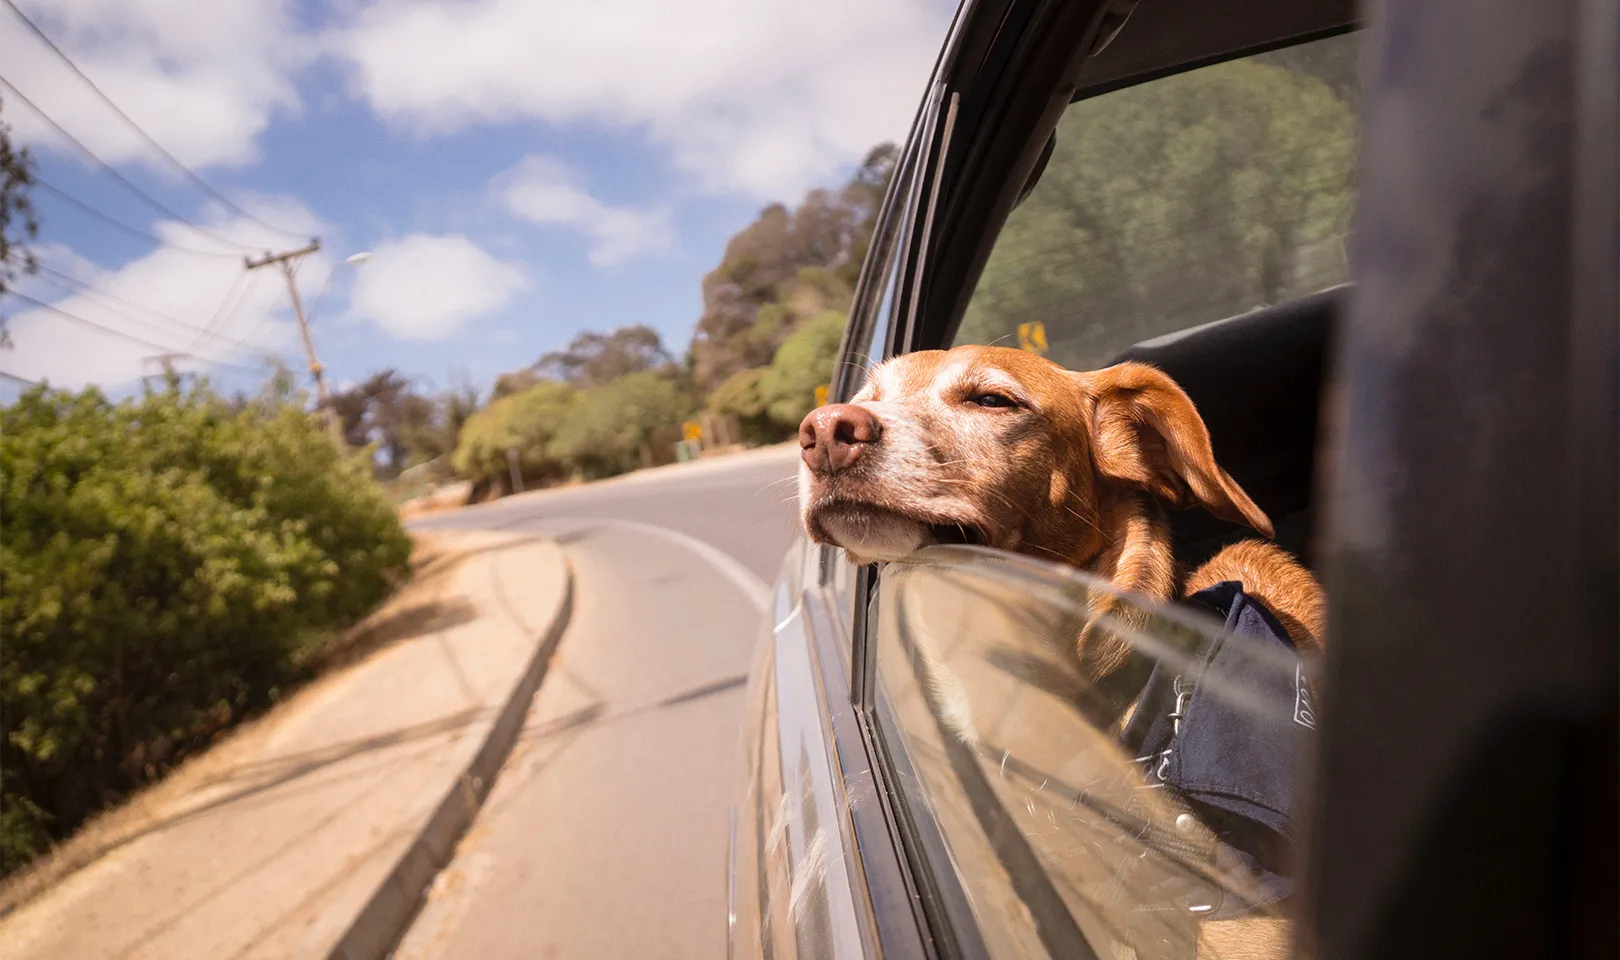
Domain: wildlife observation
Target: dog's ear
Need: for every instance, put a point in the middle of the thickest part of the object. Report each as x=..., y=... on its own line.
x=1145, y=432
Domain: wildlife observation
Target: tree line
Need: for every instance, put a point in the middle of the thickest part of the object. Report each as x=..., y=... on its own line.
x=1162, y=206
x=773, y=312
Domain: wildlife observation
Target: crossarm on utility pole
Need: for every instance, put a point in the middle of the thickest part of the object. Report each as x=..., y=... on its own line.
x=316, y=371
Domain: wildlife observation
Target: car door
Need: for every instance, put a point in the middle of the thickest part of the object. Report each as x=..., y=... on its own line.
x=935, y=856
x=820, y=776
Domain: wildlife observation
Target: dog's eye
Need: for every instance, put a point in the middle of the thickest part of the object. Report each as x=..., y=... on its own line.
x=992, y=400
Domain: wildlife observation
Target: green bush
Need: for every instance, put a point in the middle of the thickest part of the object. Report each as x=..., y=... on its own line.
x=738, y=395
x=162, y=562
x=525, y=421
x=604, y=432
x=787, y=387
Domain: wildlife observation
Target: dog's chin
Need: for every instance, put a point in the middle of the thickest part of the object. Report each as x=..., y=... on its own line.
x=872, y=534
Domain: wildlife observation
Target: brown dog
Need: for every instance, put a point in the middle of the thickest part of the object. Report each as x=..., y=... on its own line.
x=1000, y=447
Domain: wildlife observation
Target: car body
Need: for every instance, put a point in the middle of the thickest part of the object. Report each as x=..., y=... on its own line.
x=1437, y=439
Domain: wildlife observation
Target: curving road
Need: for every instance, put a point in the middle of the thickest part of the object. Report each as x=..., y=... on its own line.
x=605, y=835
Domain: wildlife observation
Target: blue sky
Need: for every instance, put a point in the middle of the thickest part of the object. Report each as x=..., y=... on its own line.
x=519, y=170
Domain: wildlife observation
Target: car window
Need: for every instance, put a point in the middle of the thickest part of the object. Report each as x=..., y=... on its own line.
x=870, y=321
x=1177, y=202
x=1147, y=836
x=1168, y=830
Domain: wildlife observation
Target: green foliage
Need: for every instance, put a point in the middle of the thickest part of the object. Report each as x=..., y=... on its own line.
x=802, y=261
x=527, y=422
x=804, y=362
x=19, y=222
x=604, y=431
x=739, y=396
x=162, y=562
x=1176, y=202
x=592, y=359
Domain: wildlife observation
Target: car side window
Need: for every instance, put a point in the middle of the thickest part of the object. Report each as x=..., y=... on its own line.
x=1178, y=202
x=870, y=319
x=1161, y=823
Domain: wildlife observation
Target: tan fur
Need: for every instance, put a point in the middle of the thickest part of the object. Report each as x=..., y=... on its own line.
x=1268, y=572
x=1080, y=472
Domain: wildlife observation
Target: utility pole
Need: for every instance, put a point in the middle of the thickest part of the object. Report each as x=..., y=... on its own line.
x=286, y=262
x=164, y=361
x=315, y=369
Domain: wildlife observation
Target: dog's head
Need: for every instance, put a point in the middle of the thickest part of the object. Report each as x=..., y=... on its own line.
x=994, y=446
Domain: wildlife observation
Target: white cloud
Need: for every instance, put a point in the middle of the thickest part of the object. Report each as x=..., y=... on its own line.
x=165, y=297
x=544, y=190
x=424, y=287
x=762, y=97
x=203, y=78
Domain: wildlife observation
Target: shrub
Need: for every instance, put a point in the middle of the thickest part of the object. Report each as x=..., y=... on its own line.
x=162, y=560
x=525, y=421
x=604, y=432
x=738, y=395
x=787, y=388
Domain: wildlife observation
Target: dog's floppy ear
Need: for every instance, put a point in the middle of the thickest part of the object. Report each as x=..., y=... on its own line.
x=1145, y=432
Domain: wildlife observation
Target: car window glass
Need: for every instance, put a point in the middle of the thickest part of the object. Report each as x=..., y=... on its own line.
x=1144, y=836
x=1166, y=831
x=870, y=323
x=1177, y=202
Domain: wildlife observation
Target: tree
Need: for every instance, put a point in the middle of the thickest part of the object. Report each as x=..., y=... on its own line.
x=592, y=359
x=813, y=251
x=436, y=435
x=739, y=396
x=526, y=422
x=1173, y=203
x=787, y=388
x=516, y=381
x=385, y=409
x=18, y=221
x=604, y=432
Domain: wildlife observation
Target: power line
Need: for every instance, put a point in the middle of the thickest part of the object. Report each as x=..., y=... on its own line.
x=220, y=344
x=122, y=333
x=73, y=284
x=222, y=312
x=173, y=161
x=114, y=221
x=111, y=171
x=99, y=293
x=16, y=379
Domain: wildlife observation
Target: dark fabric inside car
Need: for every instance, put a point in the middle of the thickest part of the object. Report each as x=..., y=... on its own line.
x=1257, y=380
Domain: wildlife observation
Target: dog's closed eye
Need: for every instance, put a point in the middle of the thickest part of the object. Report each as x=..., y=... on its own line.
x=992, y=400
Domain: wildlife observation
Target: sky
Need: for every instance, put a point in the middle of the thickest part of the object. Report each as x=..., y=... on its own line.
x=517, y=170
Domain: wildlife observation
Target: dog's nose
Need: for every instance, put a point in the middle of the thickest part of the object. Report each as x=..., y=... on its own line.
x=834, y=437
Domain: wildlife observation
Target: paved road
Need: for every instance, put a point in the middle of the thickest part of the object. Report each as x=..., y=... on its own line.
x=605, y=835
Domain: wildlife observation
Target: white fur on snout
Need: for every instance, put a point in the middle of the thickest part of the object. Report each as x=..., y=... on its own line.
x=875, y=537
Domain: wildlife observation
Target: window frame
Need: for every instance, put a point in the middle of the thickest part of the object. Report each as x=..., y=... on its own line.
x=975, y=159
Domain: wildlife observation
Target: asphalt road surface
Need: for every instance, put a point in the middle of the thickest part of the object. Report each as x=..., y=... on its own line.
x=605, y=834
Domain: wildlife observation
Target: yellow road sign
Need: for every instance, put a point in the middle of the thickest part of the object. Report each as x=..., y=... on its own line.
x=1032, y=337
x=821, y=395
x=692, y=430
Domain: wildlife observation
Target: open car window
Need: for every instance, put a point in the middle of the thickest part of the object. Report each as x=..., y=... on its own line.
x=1072, y=835
x=1198, y=222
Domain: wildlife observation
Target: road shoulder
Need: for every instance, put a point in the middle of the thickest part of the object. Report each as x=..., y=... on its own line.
x=315, y=831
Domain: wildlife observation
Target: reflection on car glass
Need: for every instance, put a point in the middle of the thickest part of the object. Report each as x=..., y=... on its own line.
x=1180, y=201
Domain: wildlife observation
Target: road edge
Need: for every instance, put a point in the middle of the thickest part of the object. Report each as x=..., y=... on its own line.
x=381, y=923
